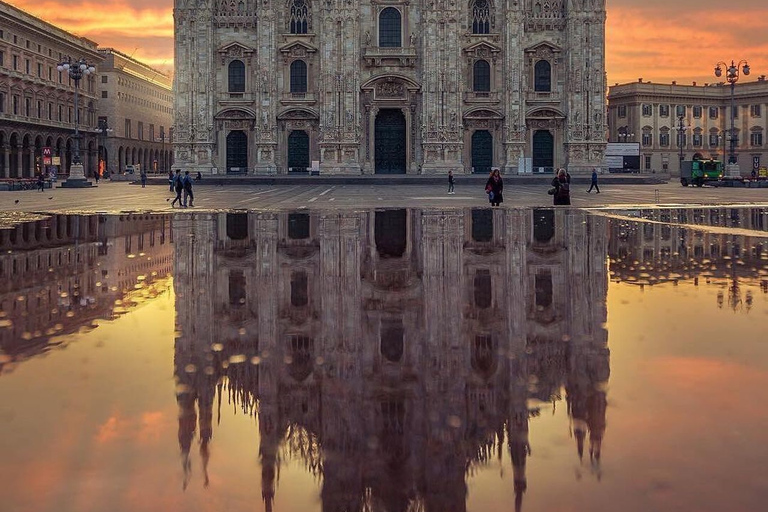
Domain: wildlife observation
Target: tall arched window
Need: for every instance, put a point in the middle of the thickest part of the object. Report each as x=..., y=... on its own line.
x=481, y=17
x=299, y=17
x=390, y=30
x=542, y=81
x=236, y=76
x=481, y=81
x=298, y=76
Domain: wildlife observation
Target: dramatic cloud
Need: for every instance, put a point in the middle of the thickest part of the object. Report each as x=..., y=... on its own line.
x=140, y=28
x=658, y=40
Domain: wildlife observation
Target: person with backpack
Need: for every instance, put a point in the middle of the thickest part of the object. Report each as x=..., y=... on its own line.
x=561, y=188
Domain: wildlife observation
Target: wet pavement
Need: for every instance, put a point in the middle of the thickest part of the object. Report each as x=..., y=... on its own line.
x=114, y=197
x=420, y=360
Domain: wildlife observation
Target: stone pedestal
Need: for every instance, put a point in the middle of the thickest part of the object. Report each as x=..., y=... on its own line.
x=76, y=178
x=733, y=171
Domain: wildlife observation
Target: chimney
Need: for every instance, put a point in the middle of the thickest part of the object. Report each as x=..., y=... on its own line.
x=674, y=82
x=761, y=78
x=694, y=84
x=640, y=80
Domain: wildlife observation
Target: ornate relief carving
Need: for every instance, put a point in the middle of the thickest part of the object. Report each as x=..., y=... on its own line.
x=390, y=89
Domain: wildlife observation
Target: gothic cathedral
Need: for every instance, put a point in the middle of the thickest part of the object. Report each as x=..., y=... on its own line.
x=389, y=86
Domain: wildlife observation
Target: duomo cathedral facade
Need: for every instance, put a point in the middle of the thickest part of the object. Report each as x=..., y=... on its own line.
x=389, y=86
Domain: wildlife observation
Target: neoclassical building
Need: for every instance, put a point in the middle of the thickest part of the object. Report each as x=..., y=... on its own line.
x=389, y=86
x=650, y=114
x=37, y=107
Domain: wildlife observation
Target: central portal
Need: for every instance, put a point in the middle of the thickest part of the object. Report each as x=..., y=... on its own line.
x=391, y=143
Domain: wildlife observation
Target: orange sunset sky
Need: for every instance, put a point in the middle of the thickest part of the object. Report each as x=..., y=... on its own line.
x=658, y=40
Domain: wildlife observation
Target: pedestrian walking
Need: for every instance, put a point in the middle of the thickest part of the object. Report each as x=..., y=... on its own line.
x=594, y=182
x=179, y=187
x=561, y=188
x=450, y=182
x=170, y=180
x=97, y=177
x=40, y=182
x=494, y=187
x=189, y=197
x=143, y=178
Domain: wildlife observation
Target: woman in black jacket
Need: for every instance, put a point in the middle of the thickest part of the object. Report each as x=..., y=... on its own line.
x=562, y=188
x=494, y=187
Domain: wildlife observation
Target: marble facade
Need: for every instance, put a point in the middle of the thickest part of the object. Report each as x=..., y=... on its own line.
x=389, y=86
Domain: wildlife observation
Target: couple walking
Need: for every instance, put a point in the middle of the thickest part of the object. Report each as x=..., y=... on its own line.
x=561, y=187
x=183, y=184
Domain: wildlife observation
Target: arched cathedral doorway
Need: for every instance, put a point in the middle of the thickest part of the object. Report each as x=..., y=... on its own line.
x=543, y=151
x=391, y=142
x=482, y=151
x=237, y=152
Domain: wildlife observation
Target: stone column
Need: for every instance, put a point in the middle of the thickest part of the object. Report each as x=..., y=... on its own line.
x=31, y=162
x=371, y=160
x=19, y=161
x=6, y=162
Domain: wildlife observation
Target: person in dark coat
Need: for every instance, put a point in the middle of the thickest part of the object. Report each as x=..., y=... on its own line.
x=189, y=197
x=494, y=187
x=594, y=182
x=177, y=184
x=562, y=188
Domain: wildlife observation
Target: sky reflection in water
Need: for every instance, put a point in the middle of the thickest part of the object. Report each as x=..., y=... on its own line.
x=400, y=360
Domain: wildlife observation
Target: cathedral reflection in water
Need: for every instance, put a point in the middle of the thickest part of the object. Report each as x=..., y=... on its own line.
x=392, y=351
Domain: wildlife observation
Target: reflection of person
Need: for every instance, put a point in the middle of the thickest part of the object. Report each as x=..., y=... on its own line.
x=562, y=185
x=594, y=182
x=494, y=187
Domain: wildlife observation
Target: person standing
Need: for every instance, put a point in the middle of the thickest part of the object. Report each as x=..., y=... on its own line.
x=143, y=178
x=189, y=197
x=41, y=182
x=177, y=185
x=450, y=182
x=594, y=182
x=170, y=179
x=494, y=187
x=562, y=188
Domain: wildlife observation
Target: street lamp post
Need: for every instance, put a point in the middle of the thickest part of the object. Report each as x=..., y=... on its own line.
x=681, y=128
x=162, y=150
x=624, y=135
x=76, y=70
x=732, y=74
x=103, y=130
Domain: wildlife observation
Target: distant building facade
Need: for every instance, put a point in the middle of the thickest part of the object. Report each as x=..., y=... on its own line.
x=135, y=114
x=650, y=114
x=37, y=101
x=389, y=86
